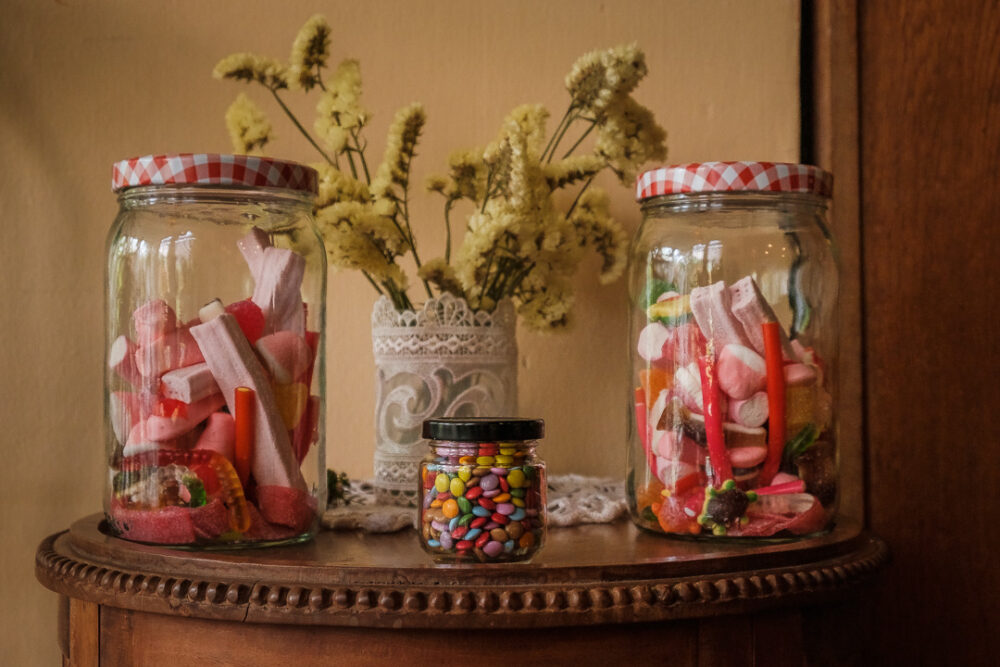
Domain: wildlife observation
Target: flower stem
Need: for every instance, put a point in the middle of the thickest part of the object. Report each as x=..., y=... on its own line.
x=578, y=195
x=579, y=141
x=447, y=226
x=361, y=152
x=295, y=120
x=549, y=146
x=562, y=133
x=409, y=230
x=372, y=281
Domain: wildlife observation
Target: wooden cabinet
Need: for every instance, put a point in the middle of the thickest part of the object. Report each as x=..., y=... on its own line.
x=593, y=593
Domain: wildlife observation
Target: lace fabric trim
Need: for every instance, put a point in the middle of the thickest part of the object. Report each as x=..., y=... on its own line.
x=443, y=360
x=572, y=500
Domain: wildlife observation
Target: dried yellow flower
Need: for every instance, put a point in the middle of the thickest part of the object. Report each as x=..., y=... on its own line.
x=336, y=186
x=309, y=53
x=401, y=145
x=629, y=138
x=600, y=78
x=598, y=230
x=249, y=67
x=548, y=308
x=339, y=109
x=571, y=170
x=439, y=273
x=249, y=128
x=357, y=238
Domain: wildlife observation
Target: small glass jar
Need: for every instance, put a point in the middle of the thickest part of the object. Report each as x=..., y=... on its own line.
x=214, y=385
x=483, y=490
x=733, y=284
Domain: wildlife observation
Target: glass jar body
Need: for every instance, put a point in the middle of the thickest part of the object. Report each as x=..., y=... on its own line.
x=214, y=386
x=732, y=419
x=482, y=501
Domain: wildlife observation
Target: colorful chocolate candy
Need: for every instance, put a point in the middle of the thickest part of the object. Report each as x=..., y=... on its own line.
x=483, y=496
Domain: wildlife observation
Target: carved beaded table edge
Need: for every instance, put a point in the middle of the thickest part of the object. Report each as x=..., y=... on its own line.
x=586, y=575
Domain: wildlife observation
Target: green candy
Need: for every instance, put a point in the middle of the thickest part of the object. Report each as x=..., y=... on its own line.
x=464, y=505
x=517, y=493
x=466, y=518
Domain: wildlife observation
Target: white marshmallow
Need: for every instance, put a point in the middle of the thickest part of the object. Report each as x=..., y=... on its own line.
x=751, y=411
x=742, y=372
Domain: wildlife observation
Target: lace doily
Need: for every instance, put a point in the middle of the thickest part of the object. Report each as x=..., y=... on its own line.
x=572, y=500
x=444, y=360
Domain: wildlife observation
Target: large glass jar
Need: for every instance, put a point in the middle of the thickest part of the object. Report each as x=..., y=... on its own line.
x=733, y=284
x=483, y=490
x=214, y=385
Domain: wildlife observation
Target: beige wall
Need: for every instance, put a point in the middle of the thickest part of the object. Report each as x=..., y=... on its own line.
x=83, y=84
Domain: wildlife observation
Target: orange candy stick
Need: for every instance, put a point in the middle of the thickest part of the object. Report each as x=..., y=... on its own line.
x=244, y=401
x=775, y=401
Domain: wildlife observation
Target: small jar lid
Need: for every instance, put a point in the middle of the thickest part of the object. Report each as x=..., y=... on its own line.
x=212, y=169
x=734, y=177
x=483, y=429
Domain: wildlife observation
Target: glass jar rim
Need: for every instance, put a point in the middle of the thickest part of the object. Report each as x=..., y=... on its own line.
x=762, y=197
x=483, y=429
x=191, y=192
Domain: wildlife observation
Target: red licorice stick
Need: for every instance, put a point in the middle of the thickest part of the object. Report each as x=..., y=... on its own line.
x=775, y=401
x=642, y=426
x=245, y=399
x=712, y=400
x=795, y=486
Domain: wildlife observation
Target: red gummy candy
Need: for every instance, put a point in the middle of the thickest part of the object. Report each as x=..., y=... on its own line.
x=260, y=529
x=210, y=520
x=167, y=525
x=169, y=407
x=250, y=318
x=208, y=477
x=286, y=506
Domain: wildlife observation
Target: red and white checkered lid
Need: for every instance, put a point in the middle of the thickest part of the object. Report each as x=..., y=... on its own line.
x=212, y=169
x=734, y=177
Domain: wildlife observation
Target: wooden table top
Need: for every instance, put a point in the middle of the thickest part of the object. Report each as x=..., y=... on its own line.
x=588, y=574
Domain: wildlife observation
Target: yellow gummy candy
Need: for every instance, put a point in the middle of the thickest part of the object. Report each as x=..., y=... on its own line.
x=291, y=400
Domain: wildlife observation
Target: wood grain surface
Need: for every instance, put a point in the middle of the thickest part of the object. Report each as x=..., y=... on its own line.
x=930, y=156
x=586, y=575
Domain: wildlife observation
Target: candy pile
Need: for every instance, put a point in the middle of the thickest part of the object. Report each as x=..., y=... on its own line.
x=214, y=416
x=733, y=417
x=482, y=501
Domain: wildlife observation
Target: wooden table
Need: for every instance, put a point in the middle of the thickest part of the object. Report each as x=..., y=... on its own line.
x=595, y=594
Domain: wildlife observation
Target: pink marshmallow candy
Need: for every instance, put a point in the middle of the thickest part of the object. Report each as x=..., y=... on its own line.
x=168, y=352
x=670, y=472
x=219, y=435
x=742, y=372
x=711, y=308
x=656, y=342
x=286, y=355
x=189, y=384
x=799, y=374
x=158, y=428
x=667, y=445
x=153, y=319
x=751, y=309
x=750, y=412
x=687, y=386
x=122, y=360
x=747, y=457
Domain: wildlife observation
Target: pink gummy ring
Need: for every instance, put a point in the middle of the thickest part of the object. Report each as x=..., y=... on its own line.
x=697, y=177
x=212, y=169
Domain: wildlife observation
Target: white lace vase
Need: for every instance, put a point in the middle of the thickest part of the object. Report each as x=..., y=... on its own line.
x=443, y=360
